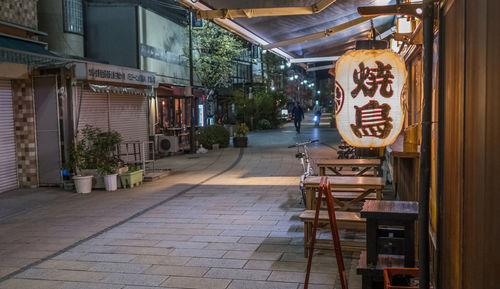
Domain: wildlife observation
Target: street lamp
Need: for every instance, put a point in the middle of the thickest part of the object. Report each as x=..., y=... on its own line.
x=295, y=76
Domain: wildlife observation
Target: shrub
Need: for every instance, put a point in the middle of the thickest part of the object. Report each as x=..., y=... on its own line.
x=264, y=124
x=214, y=134
x=241, y=130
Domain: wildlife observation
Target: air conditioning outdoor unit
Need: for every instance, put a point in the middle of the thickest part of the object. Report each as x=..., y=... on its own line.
x=167, y=144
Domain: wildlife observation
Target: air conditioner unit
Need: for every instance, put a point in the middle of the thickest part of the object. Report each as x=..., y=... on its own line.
x=167, y=144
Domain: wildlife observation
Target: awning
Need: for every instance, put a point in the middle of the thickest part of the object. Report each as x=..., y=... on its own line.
x=25, y=52
x=275, y=29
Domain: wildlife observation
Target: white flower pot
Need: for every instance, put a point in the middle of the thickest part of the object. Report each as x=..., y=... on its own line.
x=110, y=182
x=83, y=184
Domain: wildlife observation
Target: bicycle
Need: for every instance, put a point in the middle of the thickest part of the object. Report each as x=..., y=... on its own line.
x=303, y=156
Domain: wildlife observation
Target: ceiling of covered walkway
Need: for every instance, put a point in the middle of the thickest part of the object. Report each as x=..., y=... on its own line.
x=271, y=29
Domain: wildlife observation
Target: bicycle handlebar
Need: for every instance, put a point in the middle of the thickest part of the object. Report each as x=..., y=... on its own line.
x=304, y=143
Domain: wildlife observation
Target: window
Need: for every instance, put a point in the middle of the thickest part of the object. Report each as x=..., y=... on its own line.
x=73, y=16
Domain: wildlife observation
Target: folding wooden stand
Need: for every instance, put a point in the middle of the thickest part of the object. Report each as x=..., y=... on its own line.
x=324, y=189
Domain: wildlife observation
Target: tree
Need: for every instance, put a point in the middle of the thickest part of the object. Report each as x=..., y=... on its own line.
x=215, y=51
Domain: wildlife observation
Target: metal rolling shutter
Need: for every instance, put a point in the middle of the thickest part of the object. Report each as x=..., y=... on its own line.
x=93, y=110
x=8, y=171
x=129, y=116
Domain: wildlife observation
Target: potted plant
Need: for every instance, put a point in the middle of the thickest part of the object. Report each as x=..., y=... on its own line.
x=132, y=177
x=106, y=158
x=240, y=139
x=79, y=159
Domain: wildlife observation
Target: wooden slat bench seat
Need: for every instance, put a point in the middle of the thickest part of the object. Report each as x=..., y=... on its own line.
x=345, y=220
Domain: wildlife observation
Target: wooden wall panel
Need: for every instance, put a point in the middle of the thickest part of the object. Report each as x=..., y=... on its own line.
x=491, y=213
x=474, y=154
x=453, y=83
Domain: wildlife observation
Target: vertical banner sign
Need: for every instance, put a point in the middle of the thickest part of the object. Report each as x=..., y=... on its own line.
x=368, y=97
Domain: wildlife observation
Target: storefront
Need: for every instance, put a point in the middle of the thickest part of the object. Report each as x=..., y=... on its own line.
x=114, y=98
x=174, y=117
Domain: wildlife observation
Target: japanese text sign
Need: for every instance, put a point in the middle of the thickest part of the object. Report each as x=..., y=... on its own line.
x=368, y=97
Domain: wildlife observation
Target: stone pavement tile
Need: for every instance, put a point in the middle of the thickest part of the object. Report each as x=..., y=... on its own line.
x=177, y=270
x=251, y=240
x=219, y=263
x=106, y=257
x=280, y=248
x=315, y=278
x=26, y=254
x=131, y=242
x=233, y=246
x=120, y=235
x=30, y=284
x=316, y=286
x=166, y=237
x=218, y=239
x=228, y=227
x=61, y=275
x=318, y=259
x=66, y=265
x=87, y=285
x=210, y=221
x=275, y=265
x=198, y=253
x=245, y=233
x=134, y=279
x=16, y=262
x=238, y=274
x=160, y=260
x=277, y=240
x=196, y=283
x=120, y=267
x=246, y=284
x=252, y=255
x=7, y=270
x=254, y=222
x=182, y=245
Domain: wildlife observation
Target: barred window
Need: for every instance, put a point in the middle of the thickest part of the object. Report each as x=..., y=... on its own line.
x=73, y=16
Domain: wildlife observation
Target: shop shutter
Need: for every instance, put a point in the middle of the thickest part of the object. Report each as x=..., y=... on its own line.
x=93, y=110
x=129, y=116
x=8, y=171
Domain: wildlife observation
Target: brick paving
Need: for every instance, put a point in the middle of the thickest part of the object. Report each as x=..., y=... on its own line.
x=224, y=220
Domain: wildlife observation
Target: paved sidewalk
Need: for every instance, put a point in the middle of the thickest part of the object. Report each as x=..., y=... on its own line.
x=228, y=219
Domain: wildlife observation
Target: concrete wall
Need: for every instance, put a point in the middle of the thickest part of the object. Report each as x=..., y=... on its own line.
x=21, y=12
x=111, y=34
x=162, y=43
x=50, y=20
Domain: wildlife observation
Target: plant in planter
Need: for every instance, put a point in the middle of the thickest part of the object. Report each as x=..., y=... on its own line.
x=132, y=177
x=240, y=139
x=214, y=134
x=106, y=158
x=80, y=159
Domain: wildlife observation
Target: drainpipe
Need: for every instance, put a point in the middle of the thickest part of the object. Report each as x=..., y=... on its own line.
x=425, y=149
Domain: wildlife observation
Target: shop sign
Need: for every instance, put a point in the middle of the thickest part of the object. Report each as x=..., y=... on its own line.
x=368, y=97
x=116, y=74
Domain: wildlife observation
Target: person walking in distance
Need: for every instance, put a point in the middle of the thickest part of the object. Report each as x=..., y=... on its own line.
x=298, y=115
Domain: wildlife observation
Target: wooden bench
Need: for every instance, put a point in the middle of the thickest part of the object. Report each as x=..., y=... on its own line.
x=345, y=220
x=367, y=167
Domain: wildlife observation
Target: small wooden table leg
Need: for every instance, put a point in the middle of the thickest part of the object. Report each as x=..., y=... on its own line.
x=371, y=241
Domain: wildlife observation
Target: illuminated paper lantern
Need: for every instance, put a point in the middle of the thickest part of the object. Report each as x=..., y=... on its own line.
x=368, y=97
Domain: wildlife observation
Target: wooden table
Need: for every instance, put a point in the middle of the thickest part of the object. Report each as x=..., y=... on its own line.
x=390, y=213
x=334, y=164
x=366, y=186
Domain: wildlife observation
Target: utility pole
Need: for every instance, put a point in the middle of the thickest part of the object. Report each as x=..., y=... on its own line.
x=191, y=83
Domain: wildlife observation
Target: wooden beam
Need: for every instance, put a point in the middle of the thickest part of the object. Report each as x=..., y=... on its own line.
x=410, y=9
x=261, y=12
x=318, y=35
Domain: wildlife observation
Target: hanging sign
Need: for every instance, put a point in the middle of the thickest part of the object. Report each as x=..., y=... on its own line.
x=368, y=97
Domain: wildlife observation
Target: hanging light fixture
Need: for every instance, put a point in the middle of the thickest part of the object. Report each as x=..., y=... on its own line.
x=368, y=97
